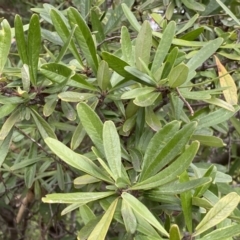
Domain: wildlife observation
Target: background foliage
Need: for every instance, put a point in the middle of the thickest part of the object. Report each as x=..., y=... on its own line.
x=125, y=115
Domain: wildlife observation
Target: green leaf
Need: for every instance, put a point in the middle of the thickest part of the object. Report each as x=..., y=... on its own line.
x=29, y=175
x=70, y=96
x=64, y=32
x=126, y=46
x=86, y=214
x=77, y=136
x=236, y=124
x=137, y=92
x=186, y=199
x=6, y=109
x=70, y=208
x=4, y=147
x=215, y=117
x=211, y=141
x=164, y=46
x=223, y=233
x=189, y=24
x=9, y=123
x=228, y=11
x=158, y=141
x=103, y=75
x=219, y=102
x=50, y=105
x=129, y=218
x=42, y=126
x=91, y=123
x=174, y=233
x=20, y=39
x=180, y=187
x=112, y=148
x=140, y=76
x=146, y=99
x=220, y=211
x=55, y=72
x=84, y=180
x=33, y=47
x=178, y=75
x=5, y=43
x=76, y=160
x=194, y=5
x=131, y=18
x=143, y=211
x=60, y=177
x=152, y=120
x=84, y=38
x=171, y=172
x=169, y=151
x=79, y=197
x=100, y=230
x=143, y=45
x=203, y=54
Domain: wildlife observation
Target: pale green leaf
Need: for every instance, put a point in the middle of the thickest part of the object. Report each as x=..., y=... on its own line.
x=77, y=197
x=100, y=230
x=143, y=211
x=112, y=148
x=220, y=211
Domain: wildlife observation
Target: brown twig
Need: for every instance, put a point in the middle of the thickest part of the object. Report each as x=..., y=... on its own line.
x=185, y=101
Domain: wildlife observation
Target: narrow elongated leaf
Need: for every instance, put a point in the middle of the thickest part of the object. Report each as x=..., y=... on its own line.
x=158, y=141
x=211, y=141
x=70, y=96
x=170, y=150
x=186, y=200
x=215, y=117
x=146, y=99
x=98, y=27
x=171, y=172
x=194, y=5
x=163, y=46
x=137, y=92
x=228, y=11
x=140, y=76
x=131, y=18
x=100, y=230
x=79, y=197
x=6, y=109
x=77, y=136
x=9, y=123
x=143, y=211
x=5, y=43
x=112, y=148
x=189, y=24
x=174, y=233
x=126, y=46
x=4, y=147
x=178, y=75
x=86, y=214
x=180, y=187
x=129, y=218
x=56, y=72
x=223, y=233
x=33, y=47
x=103, y=75
x=42, y=126
x=220, y=211
x=71, y=207
x=20, y=39
x=76, y=160
x=152, y=120
x=203, y=54
x=219, y=102
x=64, y=32
x=84, y=38
x=230, y=94
x=91, y=123
x=29, y=175
x=143, y=45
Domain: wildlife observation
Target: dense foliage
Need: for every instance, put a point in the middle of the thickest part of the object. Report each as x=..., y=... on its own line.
x=120, y=120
